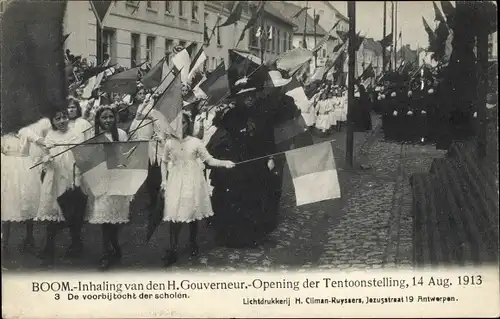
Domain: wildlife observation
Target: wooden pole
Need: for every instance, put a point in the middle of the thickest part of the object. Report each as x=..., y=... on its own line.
x=351, y=11
x=482, y=55
x=396, y=35
x=304, y=43
x=99, y=45
x=315, y=52
x=383, y=37
x=393, y=36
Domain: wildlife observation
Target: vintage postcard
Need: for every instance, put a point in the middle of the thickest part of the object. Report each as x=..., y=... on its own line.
x=210, y=159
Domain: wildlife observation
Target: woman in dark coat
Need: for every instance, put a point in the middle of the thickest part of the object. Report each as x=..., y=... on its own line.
x=246, y=199
x=362, y=113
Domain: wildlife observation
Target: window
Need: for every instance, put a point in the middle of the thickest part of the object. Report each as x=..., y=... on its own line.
x=214, y=63
x=168, y=7
x=289, y=41
x=149, y=4
x=252, y=39
x=135, y=50
x=324, y=53
x=108, y=45
x=206, y=32
x=284, y=41
x=194, y=10
x=273, y=40
x=182, y=44
x=169, y=47
x=181, y=8
x=269, y=37
x=218, y=36
x=278, y=41
x=150, y=48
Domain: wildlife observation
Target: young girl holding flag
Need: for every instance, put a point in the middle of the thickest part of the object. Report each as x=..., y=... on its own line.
x=187, y=198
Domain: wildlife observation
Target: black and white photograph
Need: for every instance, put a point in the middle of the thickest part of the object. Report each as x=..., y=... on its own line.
x=263, y=136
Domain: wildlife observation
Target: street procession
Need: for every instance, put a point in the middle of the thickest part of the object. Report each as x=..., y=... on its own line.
x=154, y=151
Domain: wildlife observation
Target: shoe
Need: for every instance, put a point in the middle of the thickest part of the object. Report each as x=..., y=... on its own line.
x=194, y=250
x=105, y=262
x=116, y=255
x=170, y=258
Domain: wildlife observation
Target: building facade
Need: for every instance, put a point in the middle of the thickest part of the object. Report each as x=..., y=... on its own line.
x=277, y=29
x=305, y=28
x=135, y=31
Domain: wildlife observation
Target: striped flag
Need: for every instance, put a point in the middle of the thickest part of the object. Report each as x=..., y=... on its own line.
x=216, y=86
x=314, y=173
x=169, y=108
x=293, y=133
x=124, y=82
x=112, y=168
x=325, y=38
x=154, y=76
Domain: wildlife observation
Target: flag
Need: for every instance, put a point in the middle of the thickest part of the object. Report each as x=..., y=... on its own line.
x=154, y=76
x=449, y=12
x=386, y=41
x=296, y=15
x=335, y=61
x=430, y=33
x=169, y=108
x=325, y=38
x=112, y=168
x=182, y=61
x=296, y=91
x=258, y=34
x=316, y=19
x=216, y=86
x=314, y=173
x=438, y=15
x=252, y=21
x=198, y=61
x=293, y=58
x=235, y=14
x=270, y=33
x=101, y=10
x=124, y=82
x=367, y=73
x=59, y=47
x=358, y=41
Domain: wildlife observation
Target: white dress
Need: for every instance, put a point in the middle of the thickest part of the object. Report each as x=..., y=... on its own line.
x=109, y=209
x=20, y=186
x=34, y=132
x=61, y=174
x=187, y=193
x=83, y=126
x=322, y=121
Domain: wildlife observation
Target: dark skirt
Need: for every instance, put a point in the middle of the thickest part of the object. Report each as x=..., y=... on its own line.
x=246, y=212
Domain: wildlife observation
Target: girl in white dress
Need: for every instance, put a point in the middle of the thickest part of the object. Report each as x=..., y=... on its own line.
x=322, y=109
x=20, y=188
x=108, y=210
x=187, y=197
x=76, y=121
x=60, y=177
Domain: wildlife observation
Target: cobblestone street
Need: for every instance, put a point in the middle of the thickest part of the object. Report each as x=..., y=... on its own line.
x=369, y=227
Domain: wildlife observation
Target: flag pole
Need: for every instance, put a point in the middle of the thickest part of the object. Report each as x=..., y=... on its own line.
x=383, y=37
x=396, y=35
x=351, y=10
x=393, y=36
x=315, y=52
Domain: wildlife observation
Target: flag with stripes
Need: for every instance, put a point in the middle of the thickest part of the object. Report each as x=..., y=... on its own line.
x=169, y=108
x=216, y=86
x=325, y=38
x=293, y=133
x=112, y=168
x=124, y=82
x=314, y=173
x=154, y=76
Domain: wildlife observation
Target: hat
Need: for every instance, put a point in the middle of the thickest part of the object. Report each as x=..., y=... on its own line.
x=277, y=79
x=242, y=91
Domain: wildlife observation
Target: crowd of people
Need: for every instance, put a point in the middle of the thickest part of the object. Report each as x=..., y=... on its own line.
x=196, y=173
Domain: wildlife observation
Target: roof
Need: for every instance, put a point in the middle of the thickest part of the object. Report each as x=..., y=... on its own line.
x=372, y=45
x=272, y=9
x=407, y=53
x=289, y=9
x=337, y=12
